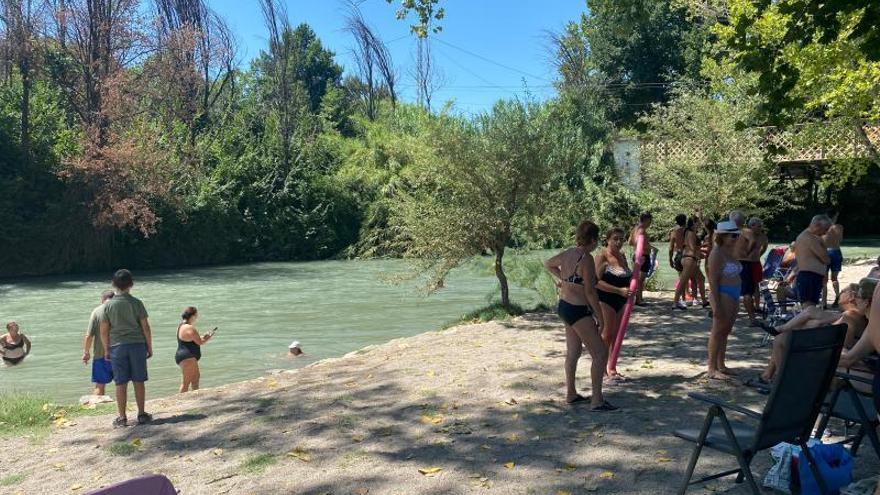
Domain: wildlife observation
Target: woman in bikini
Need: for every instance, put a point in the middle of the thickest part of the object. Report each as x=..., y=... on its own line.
x=189, y=349
x=724, y=284
x=14, y=346
x=575, y=272
x=612, y=288
x=690, y=262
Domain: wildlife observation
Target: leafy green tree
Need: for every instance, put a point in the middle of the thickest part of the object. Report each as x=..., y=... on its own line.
x=815, y=60
x=630, y=52
x=490, y=175
x=427, y=13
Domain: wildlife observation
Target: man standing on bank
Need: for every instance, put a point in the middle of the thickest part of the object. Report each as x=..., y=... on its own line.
x=832, y=240
x=812, y=260
x=128, y=343
x=102, y=371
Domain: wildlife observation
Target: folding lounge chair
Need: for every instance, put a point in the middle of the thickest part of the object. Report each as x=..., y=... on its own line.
x=775, y=312
x=154, y=484
x=773, y=262
x=804, y=377
x=853, y=407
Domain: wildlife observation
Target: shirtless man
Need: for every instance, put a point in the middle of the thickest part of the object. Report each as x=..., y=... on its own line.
x=812, y=259
x=676, y=242
x=744, y=252
x=756, y=225
x=832, y=239
x=641, y=228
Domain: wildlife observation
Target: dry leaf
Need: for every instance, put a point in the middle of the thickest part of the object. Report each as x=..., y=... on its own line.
x=664, y=459
x=431, y=471
x=607, y=475
x=511, y=402
x=485, y=447
x=76, y=487
x=570, y=467
x=357, y=438
x=361, y=490
x=429, y=420
x=136, y=442
x=218, y=452
x=563, y=492
x=509, y=465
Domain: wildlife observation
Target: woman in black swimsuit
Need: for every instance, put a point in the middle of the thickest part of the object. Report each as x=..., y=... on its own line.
x=189, y=349
x=612, y=288
x=574, y=270
x=690, y=261
x=14, y=346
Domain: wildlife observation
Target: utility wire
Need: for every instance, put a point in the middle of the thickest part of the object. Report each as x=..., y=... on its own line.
x=499, y=64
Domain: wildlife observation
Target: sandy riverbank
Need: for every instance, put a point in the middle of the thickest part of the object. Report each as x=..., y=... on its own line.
x=481, y=402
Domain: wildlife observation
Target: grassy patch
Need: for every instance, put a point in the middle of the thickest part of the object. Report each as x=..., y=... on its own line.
x=12, y=480
x=259, y=463
x=492, y=312
x=122, y=449
x=23, y=413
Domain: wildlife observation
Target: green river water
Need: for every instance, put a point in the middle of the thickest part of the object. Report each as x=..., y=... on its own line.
x=331, y=307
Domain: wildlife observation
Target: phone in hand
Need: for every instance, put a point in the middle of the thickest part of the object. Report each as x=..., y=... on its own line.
x=212, y=332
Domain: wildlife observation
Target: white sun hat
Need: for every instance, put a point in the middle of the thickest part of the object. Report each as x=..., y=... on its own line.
x=293, y=345
x=727, y=227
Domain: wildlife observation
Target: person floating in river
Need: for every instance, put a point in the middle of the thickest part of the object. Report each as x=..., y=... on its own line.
x=14, y=346
x=189, y=349
x=294, y=350
x=575, y=271
x=102, y=370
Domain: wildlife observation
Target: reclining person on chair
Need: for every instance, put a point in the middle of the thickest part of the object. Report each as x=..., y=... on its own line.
x=855, y=304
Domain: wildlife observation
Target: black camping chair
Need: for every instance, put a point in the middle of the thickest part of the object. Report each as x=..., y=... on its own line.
x=801, y=384
x=854, y=407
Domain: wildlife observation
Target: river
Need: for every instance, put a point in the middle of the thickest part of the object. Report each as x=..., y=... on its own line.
x=331, y=307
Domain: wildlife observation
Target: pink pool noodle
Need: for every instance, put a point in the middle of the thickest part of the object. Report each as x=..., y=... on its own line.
x=627, y=309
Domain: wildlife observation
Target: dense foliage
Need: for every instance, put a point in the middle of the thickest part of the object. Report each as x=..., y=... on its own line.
x=147, y=145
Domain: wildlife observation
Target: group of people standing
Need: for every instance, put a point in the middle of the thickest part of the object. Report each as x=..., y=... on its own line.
x=593, y=290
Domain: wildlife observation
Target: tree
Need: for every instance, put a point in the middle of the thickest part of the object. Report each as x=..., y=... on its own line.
x=724, y=167
x=816, y=61
x=487, y=178
x=631, y=52
x=373, y=61
x=428, y=14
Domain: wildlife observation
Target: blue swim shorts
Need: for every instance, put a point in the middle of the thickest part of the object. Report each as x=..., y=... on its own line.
x=102, y=371
x=836, y=263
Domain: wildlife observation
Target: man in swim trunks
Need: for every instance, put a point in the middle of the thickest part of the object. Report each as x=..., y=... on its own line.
x=744, y=249
x=645, y=220
x=102, y=370
x=832, y=240
x=812, y=260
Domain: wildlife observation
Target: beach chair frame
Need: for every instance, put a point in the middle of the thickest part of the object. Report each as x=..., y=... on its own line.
x=857, y=407
x=808, y=366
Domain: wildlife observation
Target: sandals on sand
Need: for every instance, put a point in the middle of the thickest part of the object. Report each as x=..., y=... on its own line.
x=579, y=398
x=144, y=418
x=604, y=407
x=120, y=422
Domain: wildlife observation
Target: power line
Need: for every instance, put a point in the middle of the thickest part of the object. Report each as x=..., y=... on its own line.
x=499, y=64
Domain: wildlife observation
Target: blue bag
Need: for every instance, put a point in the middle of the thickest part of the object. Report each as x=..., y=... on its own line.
x=835, y=465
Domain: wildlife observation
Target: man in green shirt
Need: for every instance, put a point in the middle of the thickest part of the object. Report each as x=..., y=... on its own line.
x=102, y=371
x=128, y=343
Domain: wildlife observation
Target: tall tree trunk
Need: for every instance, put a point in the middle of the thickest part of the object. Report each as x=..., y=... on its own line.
x=26, y=113
x=502, y=278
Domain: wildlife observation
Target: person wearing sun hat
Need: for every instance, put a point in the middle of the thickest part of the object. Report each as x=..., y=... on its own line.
x=294, y=350
x=725, y=284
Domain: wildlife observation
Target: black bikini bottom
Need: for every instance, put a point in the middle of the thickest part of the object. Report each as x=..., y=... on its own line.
x=572, y=313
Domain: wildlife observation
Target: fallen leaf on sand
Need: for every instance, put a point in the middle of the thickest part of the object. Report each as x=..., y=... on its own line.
x=563, y=492
x=361, y=490
x=664, y=459
x=431, y=373
x=570, y=467
x=357, y=438
x=509, y=465
x=137, y=442
x=512, y=437
x=429, y=420
x=59, y=465
x=485, y=447
x=431, y=471
x=76, y=487
x=218, y=452
x=300, y=453
x=511, y=402
x=607, y=475
x=661, y=452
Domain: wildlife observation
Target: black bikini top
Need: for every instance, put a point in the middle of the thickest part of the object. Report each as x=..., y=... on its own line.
x=11, y=346
x=575, y=278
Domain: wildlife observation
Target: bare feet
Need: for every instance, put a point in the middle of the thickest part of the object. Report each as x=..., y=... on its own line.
x=717, y=375
x=728, y=371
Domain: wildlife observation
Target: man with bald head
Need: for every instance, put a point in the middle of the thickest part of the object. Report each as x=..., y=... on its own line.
x=744, y=251
x=812, y=259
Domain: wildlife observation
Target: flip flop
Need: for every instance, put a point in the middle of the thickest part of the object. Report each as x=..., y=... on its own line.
x=757, y=382
x=144, y=418
x=578, y=398
x=604, y=407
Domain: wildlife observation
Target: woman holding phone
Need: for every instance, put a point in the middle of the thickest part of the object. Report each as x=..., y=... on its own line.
x=189, y=349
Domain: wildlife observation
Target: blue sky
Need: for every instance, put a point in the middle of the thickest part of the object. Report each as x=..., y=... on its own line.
x=488, y=49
